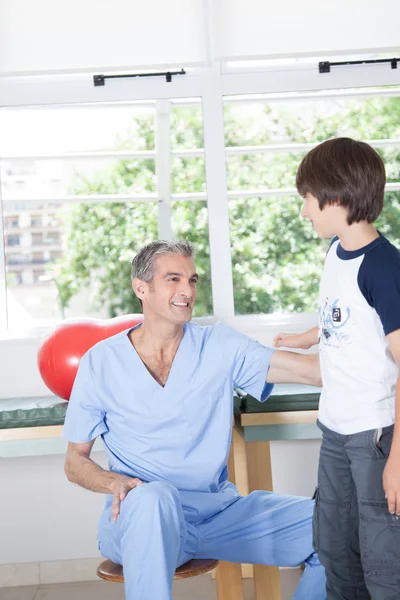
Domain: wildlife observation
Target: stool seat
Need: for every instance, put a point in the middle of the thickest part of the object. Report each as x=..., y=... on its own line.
x=112, y=572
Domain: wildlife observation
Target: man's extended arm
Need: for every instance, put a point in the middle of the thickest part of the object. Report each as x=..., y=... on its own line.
x=80, y=469
x=291, y=367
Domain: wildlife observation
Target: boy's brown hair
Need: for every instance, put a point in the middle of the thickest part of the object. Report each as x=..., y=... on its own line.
x=347, y=171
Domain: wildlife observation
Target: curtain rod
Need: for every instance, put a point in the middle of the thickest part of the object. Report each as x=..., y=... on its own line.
x=100, y=79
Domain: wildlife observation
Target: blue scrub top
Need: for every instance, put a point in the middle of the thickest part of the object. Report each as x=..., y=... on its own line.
x=179, y=433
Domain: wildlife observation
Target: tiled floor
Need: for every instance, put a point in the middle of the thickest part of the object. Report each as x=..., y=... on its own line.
x=198, y=588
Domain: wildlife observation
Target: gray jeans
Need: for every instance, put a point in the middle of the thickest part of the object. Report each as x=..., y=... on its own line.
x=356, y=538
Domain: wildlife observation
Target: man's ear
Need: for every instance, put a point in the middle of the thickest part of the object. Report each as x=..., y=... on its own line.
x=138, y=286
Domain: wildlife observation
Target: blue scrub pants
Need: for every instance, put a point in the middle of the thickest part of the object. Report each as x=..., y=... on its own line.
x=160, y=528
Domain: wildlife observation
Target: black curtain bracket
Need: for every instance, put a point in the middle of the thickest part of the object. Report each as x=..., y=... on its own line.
x=325, y=66
x=99, y=80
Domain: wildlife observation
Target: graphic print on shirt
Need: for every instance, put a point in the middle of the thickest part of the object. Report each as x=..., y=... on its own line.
x=334, y=323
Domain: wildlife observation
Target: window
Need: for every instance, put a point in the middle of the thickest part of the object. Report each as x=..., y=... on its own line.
x=51, y=238
x=11, y=222
x=36, y=221
x=85, y=185
x=101, y=181
x=16, y=258
x=36, y=239
x=276, y=257
x=12, y=240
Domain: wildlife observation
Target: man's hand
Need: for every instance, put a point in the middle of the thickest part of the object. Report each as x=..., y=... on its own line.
x=391, y=484
x=120, y=488
x=80, y=469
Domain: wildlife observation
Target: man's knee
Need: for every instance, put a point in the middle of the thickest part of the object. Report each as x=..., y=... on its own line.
x=158, y=491
x=297, y=507
x=150, y=496
x=289, y=513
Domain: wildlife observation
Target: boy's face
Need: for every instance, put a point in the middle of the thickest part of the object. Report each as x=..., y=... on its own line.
x=327, y=222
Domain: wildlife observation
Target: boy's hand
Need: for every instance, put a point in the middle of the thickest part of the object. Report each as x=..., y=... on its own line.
x=289, y=340
x=391, y=484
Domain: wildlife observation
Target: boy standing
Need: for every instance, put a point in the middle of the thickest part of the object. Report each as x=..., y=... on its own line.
x=356, y=520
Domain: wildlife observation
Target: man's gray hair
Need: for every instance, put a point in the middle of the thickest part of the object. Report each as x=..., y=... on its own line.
x=143, y=263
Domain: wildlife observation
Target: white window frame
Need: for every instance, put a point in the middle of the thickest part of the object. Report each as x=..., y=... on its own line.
x=212, y=87
x=32, y=92
x=3, y=283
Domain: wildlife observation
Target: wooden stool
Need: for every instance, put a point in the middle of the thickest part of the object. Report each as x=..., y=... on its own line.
x=112, y=572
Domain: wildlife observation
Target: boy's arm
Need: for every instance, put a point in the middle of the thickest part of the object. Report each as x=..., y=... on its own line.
x=391, y=474
x=300, y=340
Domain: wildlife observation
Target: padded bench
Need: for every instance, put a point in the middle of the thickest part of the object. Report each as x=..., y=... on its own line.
x=49, y=411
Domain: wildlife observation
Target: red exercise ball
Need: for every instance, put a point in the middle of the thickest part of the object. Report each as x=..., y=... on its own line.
x=60, y=354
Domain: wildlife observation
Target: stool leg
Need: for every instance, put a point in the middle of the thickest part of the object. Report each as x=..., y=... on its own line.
x=266, y=579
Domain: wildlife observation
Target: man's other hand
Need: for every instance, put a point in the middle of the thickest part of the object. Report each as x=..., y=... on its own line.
x=120, y=488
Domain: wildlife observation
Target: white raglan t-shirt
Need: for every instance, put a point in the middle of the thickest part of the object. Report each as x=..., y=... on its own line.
x=359, y=307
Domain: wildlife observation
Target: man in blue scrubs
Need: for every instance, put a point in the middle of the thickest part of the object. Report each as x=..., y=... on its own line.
x=161, y=397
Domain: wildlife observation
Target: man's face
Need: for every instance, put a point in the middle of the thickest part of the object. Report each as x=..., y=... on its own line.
x=172, y=293
x=327, y=222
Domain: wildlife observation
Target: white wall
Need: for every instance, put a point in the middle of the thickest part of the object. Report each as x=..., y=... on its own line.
x=44, y=36
x=20, y=377
x=43, y=517
x=47, y=36
x=254, y=28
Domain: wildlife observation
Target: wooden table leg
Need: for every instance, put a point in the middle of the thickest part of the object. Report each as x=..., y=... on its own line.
x=266, y=579
x=229, y=581
x=241, y=476
x=229, y=575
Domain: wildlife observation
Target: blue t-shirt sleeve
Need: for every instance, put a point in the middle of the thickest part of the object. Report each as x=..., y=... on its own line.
x=335, y=239
x=85, y=418
x=249, y=362
x=379, y=282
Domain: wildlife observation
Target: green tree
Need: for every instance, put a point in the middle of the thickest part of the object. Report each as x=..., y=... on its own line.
x=276, y=257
